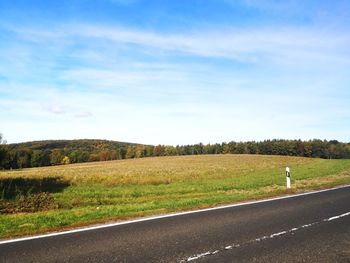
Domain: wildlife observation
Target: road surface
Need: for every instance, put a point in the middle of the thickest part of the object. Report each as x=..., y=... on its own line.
x=307, y=228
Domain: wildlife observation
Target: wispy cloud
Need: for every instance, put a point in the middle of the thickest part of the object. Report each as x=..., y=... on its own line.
x=250, y=45
x=83, y=114
x=152, y=85
x=55, y=109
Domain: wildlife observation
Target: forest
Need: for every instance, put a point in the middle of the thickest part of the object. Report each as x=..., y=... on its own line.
x=60, y=152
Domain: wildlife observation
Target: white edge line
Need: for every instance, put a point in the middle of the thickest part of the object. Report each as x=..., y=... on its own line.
x=165, y=216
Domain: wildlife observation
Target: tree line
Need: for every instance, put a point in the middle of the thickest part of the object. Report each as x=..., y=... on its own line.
x=60, y=152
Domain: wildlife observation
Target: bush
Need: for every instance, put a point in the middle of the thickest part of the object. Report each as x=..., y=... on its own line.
x=12, y=188
x=28, y=203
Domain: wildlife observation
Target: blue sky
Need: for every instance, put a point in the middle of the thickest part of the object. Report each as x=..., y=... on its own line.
x=174, y=72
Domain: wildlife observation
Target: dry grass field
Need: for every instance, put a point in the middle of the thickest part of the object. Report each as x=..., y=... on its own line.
x=90, y=193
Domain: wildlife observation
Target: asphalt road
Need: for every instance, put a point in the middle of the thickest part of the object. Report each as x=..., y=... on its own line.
x=308, y=228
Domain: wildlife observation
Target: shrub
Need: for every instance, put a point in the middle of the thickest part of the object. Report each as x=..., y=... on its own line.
x=28, y=203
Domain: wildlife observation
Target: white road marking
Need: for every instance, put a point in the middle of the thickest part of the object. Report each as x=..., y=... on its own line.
x=229, y=247
x=164, y=216
x=260, y=238
x=278, y=234
x=336, y=217
x=200, y=256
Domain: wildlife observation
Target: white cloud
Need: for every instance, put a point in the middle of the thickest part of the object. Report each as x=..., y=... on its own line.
x=287, y=45
x=55, y=109
x=106, y=89
x=83, y=114
x=119, y=78
x=246, y=45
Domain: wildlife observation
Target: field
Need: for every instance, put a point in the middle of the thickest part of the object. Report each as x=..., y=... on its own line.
x=90, y=193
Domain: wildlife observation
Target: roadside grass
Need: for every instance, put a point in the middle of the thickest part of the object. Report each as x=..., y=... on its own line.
x=107, y=191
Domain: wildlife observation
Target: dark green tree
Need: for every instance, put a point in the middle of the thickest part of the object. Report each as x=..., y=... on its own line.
x=2, y=151
x=56, y=156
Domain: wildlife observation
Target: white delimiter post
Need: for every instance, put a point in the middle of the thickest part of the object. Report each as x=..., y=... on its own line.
x=288, y=177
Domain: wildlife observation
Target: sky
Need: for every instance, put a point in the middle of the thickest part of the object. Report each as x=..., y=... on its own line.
x=174, y=72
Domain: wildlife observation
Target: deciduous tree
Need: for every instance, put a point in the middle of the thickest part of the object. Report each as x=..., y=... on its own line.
x=2, y=151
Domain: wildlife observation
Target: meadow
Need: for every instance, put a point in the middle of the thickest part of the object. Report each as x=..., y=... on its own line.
x=66, y=196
